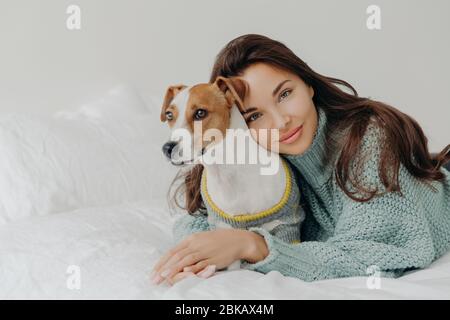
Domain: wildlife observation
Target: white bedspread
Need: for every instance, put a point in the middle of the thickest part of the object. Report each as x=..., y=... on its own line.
x=115, y=247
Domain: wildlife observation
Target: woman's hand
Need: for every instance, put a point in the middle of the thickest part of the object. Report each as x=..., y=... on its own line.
x=205, y=273
x=220, y=247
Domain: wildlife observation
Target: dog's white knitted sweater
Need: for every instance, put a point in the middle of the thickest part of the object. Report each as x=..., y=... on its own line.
x=282, y=220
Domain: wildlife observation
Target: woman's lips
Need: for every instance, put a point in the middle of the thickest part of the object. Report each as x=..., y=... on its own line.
x=292, y=135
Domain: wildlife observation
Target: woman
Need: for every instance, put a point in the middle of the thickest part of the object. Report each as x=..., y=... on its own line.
x=375, y=198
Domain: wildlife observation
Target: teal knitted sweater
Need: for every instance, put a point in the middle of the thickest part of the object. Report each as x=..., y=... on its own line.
x=391, y=233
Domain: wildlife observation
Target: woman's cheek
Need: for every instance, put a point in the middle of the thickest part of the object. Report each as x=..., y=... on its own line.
x=296, y=109
x=255, y=133
x=263, y=137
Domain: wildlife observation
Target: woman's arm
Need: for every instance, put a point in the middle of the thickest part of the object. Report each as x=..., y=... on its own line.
x=389, y=233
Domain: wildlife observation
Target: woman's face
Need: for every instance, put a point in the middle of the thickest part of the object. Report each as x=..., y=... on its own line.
x=277, y=99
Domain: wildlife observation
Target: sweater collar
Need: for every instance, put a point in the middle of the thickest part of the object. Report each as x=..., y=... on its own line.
x=311, y=162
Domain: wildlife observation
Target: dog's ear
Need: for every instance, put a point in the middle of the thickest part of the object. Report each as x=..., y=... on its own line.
x=234, y=90
x=171, y=92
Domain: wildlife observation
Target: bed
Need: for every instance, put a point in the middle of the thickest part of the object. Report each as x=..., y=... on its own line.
x=83, y=215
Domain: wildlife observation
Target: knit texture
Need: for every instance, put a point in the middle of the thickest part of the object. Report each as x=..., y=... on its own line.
x=391, y=233
x=282, y=220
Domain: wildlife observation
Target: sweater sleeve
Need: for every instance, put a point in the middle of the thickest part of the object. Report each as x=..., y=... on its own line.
x=189, y=224
x=389, y=234
x=377, y=236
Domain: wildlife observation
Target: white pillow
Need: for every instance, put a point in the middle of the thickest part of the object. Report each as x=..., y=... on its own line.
x=70, y=161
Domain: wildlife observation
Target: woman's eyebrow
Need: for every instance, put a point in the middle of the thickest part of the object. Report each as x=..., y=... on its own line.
x=278, y=87
x=249, y=110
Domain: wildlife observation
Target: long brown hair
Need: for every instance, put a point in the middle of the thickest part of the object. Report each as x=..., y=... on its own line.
x=344, y=110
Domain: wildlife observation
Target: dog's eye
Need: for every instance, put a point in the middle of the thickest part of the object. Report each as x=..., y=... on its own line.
x=169, y=115
x=200, y=114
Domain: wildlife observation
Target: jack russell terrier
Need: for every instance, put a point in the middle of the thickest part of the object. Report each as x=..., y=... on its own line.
x=236, y=195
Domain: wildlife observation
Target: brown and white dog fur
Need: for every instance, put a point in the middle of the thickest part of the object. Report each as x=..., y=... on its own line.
x=234, y=188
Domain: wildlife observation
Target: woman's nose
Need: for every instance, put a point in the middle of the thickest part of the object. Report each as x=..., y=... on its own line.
x=280, y=120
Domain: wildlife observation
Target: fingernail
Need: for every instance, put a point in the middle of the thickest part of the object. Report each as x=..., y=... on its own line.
x=165, y=273
x=156, y=279
x=201, y=272
x=207, y=268
x=210, y=267
x=207, y=271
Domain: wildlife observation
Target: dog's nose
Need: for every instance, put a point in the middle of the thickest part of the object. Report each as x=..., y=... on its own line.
x=168, y=147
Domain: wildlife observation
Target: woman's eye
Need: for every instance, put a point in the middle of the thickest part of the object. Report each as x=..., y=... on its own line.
x=169, y=115
x=200, y=114
x=253, y=116
x=285, y=94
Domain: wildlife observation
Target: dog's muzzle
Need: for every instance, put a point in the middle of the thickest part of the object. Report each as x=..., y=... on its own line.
x=168, y=147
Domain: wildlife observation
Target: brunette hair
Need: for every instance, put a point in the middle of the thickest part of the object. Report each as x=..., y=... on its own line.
x=344, y=110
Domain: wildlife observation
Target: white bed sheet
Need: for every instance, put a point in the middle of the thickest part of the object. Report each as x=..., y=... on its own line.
x=115, y=247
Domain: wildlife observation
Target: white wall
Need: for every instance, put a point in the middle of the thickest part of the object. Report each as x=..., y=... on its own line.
x=151, y=44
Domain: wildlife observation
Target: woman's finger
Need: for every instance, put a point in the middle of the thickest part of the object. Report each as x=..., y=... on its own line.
x=162, y=273
x=178, y=277
x=207, y=272
x=167, y=268
x=199, y=266
x=162, y=261
x=187, y=260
